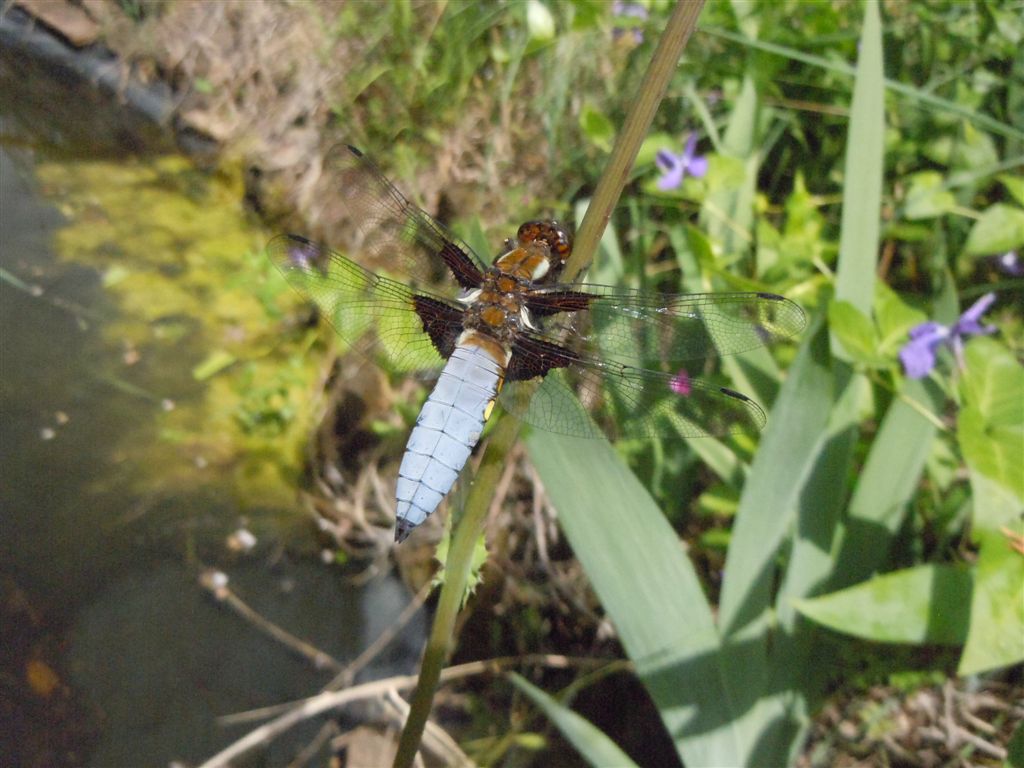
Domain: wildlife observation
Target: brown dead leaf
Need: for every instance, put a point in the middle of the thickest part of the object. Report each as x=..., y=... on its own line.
x=41, y=678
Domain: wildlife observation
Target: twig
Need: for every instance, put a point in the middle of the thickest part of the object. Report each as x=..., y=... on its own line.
x=638, y=120
x=344, y=678
x=216, y=584
x=538, y=520
x=326, y=701
x=903, y=754
x=978, y=723
x=990, y=749
x=457, y=567
x=79, y=313
x=947, y=715
x=255, y=715
x=323, y=736
x=501, y=489
x=302, y=711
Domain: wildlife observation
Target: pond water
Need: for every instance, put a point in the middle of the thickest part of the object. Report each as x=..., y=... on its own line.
x=145, y=415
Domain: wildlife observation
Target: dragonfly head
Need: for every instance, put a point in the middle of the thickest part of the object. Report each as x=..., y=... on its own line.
x=551, y=234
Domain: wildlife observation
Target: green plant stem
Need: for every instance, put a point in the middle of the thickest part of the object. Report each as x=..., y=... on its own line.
x=457, y=567
x=627, y=144
x=465, y=533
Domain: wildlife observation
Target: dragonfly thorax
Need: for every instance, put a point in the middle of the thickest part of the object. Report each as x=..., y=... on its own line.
x=527, y=264
x=497, y=308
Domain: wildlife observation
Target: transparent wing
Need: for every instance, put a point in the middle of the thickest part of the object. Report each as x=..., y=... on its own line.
x=394, y=236
x=377, y=315
x=638, y=328
x=624, y=401
x=623, y=356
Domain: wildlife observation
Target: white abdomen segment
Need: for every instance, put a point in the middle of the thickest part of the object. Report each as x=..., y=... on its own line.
x=447, y=429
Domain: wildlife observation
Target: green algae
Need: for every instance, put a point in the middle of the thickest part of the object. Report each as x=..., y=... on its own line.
x=195, y=327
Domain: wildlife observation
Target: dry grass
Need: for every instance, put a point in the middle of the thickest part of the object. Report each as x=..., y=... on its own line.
x=268, y=81
x=958, y=723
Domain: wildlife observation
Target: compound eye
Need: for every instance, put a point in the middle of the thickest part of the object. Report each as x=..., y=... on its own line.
x=551, y=233
x=561, y=242
x=529, y=232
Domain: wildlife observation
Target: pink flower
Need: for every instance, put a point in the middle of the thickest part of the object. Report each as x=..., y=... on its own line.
x=680, y=383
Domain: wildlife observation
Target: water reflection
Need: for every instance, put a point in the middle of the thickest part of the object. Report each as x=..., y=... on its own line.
x=131, y=349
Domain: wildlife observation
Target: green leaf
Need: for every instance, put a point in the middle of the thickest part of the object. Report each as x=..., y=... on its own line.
x=597, y=128
x=476, y=238
x=770, y=496
x=802, y=239
x=589, y=740
x=766, y=678
x=970, y=150
x=720, y=459
x=895, y=318
x=727, y=212
x=854, y=330
x=924, y=604
x=718, y=500
x=1015, y=749
x=716, y=539
x=994, y=451
x=993, y=381
x=630, y=553
x=1000, y=229
x=990, y=427
x=475, y=577
x=923, y=96
x=214, y=363
x=996, y=637
x=531, y=741
x=862, y=172
x=652, y=144
x=927, y=197
x=1014, y=185
x=910, y=233
x=888, y=481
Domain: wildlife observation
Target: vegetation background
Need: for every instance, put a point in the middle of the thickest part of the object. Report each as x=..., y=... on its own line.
x=852, y=582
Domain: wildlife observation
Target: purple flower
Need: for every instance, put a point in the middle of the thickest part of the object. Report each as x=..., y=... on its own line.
x=302, y=254
x=918, y=354
x=675, y=167
x=1010, y=264
x=630, y=10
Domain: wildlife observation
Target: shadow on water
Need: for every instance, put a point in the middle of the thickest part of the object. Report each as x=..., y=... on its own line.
x=126, y=359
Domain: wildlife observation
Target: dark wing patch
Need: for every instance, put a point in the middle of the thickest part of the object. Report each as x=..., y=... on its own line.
x=533, y=356
x=552, y=302
x=442, y=322
x=465, y=272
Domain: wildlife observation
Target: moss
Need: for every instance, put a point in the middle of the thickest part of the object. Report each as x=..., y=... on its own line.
x=183, y=266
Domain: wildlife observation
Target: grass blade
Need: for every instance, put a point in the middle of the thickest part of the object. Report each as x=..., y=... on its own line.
x=588, y=739
x=648, y=587
x=862, y=176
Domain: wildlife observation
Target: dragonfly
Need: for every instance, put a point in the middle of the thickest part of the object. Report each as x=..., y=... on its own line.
x=412, y=295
